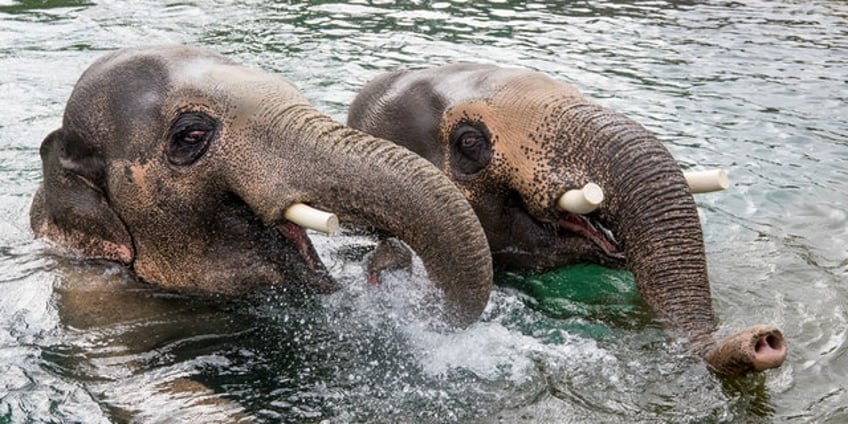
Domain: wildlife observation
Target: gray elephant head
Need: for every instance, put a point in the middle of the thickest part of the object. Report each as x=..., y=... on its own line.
x=514, y=141
x=181, y=164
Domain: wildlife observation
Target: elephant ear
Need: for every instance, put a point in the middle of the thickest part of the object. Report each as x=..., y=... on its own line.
x=70, y=207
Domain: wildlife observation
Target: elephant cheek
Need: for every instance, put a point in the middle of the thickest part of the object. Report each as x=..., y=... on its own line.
x=134, y=182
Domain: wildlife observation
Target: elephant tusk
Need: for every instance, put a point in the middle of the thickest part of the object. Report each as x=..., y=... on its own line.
x=707, y=181
x=583, y=200
x=314, y=219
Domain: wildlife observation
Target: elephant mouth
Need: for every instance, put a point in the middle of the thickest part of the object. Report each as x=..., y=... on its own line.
x=593, y=231
x=297, y=236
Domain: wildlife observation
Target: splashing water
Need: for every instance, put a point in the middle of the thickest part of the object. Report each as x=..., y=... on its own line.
x=756, y=88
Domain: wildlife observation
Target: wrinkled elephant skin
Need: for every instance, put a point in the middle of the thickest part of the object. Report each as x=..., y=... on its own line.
x=514, y=141
x=181, y=163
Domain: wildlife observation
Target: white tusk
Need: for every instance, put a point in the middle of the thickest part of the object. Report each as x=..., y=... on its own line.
x=582, y=201
x=707, y=181
x=314, y=219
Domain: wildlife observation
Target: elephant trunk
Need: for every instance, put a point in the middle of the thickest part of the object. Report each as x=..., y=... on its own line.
x=373, y=182
x=656, y=220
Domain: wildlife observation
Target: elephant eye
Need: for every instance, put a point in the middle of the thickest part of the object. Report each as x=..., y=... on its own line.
x=470, y=141
x=193, y=136
x=190, y=135
x=471, y=149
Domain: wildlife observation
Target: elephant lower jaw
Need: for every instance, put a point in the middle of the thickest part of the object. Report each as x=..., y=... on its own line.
x=754, y=349
x=594, y=232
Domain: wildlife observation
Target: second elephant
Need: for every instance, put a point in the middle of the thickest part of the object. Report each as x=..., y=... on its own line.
x=514, y=141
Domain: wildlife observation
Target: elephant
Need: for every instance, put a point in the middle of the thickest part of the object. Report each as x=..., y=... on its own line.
x=181, y=164
x=515, y=140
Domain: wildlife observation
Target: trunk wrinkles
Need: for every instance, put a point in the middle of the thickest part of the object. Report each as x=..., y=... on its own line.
x=377, y=183
x=653, y=213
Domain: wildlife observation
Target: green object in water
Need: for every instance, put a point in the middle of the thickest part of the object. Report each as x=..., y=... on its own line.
x=589, y=291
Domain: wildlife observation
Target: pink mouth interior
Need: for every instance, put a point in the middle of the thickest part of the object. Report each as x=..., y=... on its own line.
x=583, y=226
x=297, y=235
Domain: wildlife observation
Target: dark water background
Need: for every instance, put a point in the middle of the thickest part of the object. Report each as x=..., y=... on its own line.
x=758, y=88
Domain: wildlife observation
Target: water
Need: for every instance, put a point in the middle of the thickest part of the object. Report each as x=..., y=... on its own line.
x=758, y=88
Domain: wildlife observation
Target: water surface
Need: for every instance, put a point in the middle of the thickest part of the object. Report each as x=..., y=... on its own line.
x=758, y=88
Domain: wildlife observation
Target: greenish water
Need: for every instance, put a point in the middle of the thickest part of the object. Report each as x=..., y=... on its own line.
x=758, y=88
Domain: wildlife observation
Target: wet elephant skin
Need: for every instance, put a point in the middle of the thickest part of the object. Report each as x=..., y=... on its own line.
x=515, y=140
x=180, y=164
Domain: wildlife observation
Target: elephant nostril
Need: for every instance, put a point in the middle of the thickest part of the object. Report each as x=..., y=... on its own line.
x=775, y=342
x=770, y=342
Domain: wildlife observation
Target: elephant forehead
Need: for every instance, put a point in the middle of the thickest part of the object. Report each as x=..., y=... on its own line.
x=463, y=82
x=533, y=90
x=454, y=83
x=451, y=84
x=240, y=82
x=534, y=104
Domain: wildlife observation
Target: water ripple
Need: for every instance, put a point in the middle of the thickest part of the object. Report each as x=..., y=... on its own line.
x=758, y=88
